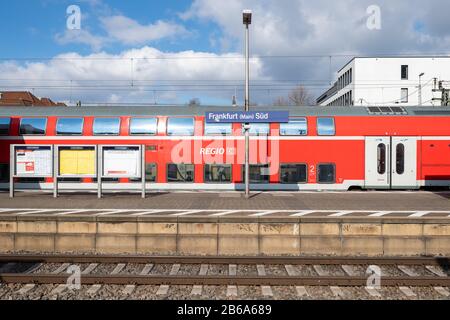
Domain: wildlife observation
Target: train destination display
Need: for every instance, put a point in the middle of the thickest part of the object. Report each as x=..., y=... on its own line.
x=33, y=161
x=121, y=162
x=77, y=161
x=247, y=117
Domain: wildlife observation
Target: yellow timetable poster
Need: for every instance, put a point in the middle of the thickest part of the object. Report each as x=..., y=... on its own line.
x=77, y=162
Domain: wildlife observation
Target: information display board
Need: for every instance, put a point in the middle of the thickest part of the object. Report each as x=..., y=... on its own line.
x=77, y=161
x=122, y=162
x=33, y=161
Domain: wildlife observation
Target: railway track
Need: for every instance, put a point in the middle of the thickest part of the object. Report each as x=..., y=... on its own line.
x=267, y=272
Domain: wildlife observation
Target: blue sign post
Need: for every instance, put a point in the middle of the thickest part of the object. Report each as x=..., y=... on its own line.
x=247, y=117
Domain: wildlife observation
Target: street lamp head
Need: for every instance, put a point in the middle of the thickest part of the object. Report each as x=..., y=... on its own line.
x=247, y=17
x=422, y=74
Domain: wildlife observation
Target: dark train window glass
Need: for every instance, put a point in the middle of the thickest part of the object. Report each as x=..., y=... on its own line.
x=325, y=127
x=69, y=126
x=4, y=126
x=150, y=172
x=33, y=126
x=4, y=172
x=293, y=173
x=143, y=126
x=297, y=127
x=400, y=156
x=180, y=126
x=218, y=128
x=259, y=173
x=259, y=129
x=381, y=158
x=217, y=173
x=326, y=173
x=106, y=126
x=180, y=172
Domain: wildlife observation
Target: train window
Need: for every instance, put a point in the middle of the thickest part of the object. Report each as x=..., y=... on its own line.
x=4, y=126
x=180, y=126
x=218, y=129
x=33, y=126
x=106, y=126
x=326, y=173
x=143, y=126
x=150, y=172
x=400, y=156
x=69, y=126
x=180, y=172
x=259, y=129
x=293, y=173
x=259, y=173
x=325, y=127
x=4, y=172
x=217, y=173
x=381, y=158
x=297, y=127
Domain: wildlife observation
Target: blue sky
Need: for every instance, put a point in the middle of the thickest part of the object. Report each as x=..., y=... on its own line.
x=195, y=46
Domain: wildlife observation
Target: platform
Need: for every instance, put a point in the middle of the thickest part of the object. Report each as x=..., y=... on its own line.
x=332, y=223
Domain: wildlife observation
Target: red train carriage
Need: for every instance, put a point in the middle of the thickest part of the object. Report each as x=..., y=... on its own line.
x=332, y=148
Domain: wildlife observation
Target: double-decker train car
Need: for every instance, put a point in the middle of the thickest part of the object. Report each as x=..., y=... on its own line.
x=320, y=148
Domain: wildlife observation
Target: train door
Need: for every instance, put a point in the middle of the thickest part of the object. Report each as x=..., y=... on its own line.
x=404, y=162
x=377, y=163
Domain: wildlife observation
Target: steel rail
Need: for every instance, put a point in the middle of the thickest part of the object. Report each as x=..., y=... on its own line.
x=125, y=279
x=66, y=258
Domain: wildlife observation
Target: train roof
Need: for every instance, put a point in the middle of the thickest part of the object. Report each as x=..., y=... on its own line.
x=168, y=110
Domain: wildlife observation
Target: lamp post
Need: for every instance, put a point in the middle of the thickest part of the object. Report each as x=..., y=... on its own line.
x=420, y=88
x=247, y=20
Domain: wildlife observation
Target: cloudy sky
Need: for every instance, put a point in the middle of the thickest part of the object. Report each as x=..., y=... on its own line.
x=143, y=51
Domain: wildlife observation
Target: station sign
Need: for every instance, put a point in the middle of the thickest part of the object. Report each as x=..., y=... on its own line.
x=247, y=117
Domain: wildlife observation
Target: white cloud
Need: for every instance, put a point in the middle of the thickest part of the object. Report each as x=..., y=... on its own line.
x=82, y=37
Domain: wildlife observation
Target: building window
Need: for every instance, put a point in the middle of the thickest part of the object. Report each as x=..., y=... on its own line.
x=180, y=126
x=381, y=158
x=295, y=127
x=293, y=173
x=4, y=126
x=326, y=173
x=35, y=126
x=218, y=173
x=220, y=129
x=404, y=72
x=325, y=127
x=106, y=126
x=4, y=172
x=143, y=126
x=400, y=156
x=259, y=129
x=404, y=95
x=69, y=126
x=180, y=172
x=259, y=173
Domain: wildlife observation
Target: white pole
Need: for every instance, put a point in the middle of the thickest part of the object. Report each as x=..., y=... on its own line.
x=247, y=98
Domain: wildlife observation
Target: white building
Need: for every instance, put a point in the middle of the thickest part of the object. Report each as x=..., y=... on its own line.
x=388, y=81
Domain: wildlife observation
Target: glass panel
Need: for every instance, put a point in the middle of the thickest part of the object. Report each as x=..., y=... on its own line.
x=4, y=126
x=180, y=126
x=297, y=127
x=4, y=172
x=293, y=173
x=400, y=156
x=259, y=173
x=381, y=158
x=259, y=129
x=180, y=172
x=217, y=173
x=325, y=127
x=150, y=172
x=106, y=126
x=218, y=128
x=143, y=126
x=404, y=95
x=404, y=72
x=33, y=125
x=69, y=126
x=326, y=173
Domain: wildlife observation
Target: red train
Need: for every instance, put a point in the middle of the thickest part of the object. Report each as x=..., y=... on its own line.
x=321, y=148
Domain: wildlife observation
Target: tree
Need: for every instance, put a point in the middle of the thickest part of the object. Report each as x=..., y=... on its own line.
x=194, y=102
x=299, y=96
